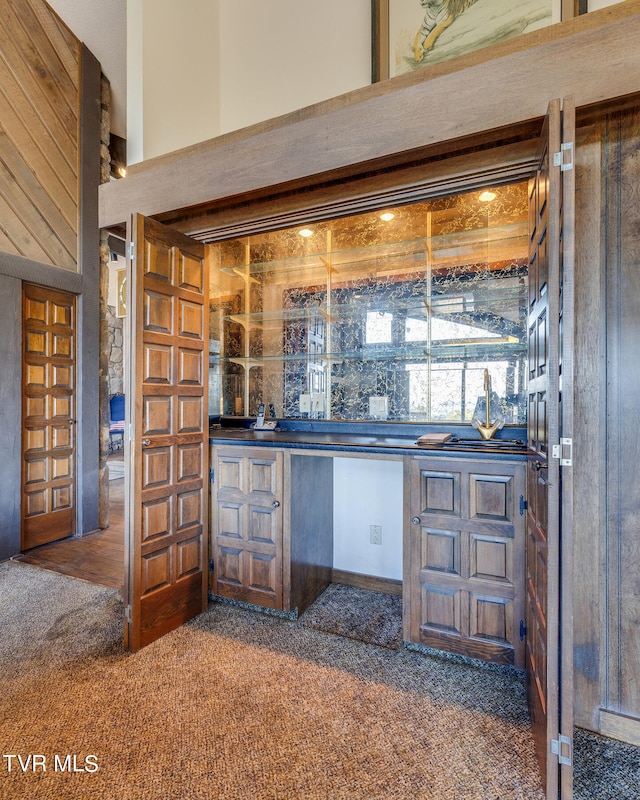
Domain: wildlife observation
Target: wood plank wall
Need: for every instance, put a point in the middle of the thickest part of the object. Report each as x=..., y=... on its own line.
x=620, y=716
x=39, y=140
x=606, y=435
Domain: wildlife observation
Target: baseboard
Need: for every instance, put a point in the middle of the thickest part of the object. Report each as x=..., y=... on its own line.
x=617, y=726
x=386, y=585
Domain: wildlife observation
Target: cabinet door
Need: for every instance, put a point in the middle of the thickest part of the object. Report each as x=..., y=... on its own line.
x=247, y=525
x=465, y=568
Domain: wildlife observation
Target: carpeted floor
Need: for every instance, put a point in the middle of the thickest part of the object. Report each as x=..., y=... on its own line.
x=239, y=704
x=372, y=617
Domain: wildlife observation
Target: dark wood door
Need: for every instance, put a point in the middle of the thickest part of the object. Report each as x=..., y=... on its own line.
x=48, y=416
x=550, y=329
x=247, y=524
x=167, y=427
x=464, y=557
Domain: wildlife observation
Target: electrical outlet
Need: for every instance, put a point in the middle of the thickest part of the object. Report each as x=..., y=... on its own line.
x=375, y=534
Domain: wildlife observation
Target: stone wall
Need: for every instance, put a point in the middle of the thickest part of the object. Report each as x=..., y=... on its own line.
x=115, y=352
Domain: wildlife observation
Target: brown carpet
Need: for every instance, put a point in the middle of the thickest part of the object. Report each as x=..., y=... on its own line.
x=237, y=705
x=372, y=617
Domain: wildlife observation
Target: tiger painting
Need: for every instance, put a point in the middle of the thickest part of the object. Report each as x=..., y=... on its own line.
x=439, y=14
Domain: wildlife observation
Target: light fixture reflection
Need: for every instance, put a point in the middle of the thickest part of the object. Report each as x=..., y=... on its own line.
x=387, y=216
x=306, y=232
x=487, y=197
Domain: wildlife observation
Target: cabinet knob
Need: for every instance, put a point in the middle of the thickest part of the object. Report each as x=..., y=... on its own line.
x=276, y=504
x=146, y=442
x=416, y=520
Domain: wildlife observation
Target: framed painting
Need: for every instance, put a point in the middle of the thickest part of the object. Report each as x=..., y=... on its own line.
x=411, y=34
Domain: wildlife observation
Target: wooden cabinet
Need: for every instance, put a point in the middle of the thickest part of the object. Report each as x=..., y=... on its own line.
x=464, y=557
x=247, y=525
x=272, y=526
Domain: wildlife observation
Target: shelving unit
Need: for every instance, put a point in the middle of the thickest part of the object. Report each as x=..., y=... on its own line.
x=295, y=314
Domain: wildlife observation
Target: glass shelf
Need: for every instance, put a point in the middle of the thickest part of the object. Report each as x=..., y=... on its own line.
x=494, y=349
x=446, y=306
x=363, y=308
x=438, y=251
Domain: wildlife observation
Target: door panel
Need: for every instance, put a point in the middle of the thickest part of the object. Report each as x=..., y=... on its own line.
x=48, y=409
x=464, y=568
x=551, y=270
x=167, y=506
x=247, y=526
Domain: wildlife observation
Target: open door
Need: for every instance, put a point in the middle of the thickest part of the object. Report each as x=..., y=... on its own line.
x=166, y=432
x=549, y=655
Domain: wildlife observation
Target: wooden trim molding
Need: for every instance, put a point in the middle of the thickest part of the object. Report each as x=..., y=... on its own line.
x=374, y=584
x=36, y=272
x=418, y=181
x=488, y=90
x=618, y=726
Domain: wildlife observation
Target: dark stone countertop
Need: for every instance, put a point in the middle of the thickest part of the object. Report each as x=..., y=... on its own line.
x=364, y=437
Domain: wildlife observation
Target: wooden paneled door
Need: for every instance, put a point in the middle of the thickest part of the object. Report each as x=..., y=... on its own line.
x=549, y=656
x=247, y=525
x=166, y=526
x=48, y=416
x=464, y=557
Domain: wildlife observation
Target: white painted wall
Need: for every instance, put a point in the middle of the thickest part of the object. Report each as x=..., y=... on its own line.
x=367, y=492
x=200, y=68
x=135, y=94
x=181, y=73
x=286, y=54
x=594, y=5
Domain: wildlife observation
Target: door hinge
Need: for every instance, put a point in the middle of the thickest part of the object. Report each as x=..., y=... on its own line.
x=212, y=473
x=563, y=748
x=563, y=451
x=132, y=252
x=523, y=505
x=523, y=630
x=128, y=613
x=564, y=159
x=211, y=565
x=131, y=431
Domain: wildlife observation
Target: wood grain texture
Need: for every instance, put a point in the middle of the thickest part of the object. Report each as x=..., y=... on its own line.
x=167, y=495
x=403, y=115
x=49, y=391
x=311, y=528
x=543, y=524
x=622, y=692
x=39, y=134
x=464, y=574
x=247, y=525
x=617, y=726
x=589, y=441
x=370, y=582
x=97, y=557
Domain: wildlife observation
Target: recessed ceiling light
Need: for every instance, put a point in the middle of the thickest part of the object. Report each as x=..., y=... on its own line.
x=387, y=216
x=487, y=197
x=306, y=232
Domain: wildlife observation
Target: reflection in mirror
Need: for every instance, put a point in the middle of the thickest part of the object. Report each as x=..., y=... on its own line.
x=364, y=317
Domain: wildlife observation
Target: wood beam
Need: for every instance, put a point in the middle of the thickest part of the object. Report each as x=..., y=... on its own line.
x=592, y=57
